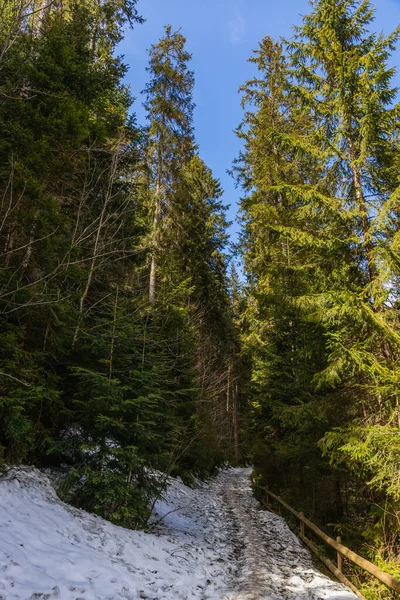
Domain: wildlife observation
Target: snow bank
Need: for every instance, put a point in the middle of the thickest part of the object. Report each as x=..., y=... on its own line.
x=51, y=550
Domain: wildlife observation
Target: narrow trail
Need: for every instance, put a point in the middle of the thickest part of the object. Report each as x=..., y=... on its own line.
x=271, y=563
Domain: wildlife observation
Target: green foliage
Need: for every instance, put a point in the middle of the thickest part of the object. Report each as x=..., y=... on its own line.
x=29, y=401
x=94, y=379
x=374, y=449
x=320, y=326
x=112, y=482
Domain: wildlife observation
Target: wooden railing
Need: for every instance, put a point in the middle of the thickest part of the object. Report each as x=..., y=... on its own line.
x=342, y=551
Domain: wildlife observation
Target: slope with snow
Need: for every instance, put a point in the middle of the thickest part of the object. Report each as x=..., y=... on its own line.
x=213, y=543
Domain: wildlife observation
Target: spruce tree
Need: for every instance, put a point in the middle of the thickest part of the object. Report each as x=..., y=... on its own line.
x=318, y=168
x=92, y=378
x=283, y=212
x=199, y=253
x=59, y=174
x=169, y=106
x=342, y=73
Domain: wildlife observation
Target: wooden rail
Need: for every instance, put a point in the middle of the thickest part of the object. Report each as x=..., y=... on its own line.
x=342, y=551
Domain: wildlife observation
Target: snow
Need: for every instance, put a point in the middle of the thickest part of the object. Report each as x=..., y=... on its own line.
x=214, y=542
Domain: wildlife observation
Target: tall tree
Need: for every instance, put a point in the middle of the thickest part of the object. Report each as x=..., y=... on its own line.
x=91, y=376
x=66, y=215
x=342, y=72
x=169, y=106
x=286, y=205
x=318, y=166
x=334, y=53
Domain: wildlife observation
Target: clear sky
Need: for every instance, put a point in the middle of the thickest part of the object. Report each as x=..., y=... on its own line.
x=221, y=35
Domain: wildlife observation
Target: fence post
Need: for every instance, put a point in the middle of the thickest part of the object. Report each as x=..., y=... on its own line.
x=266, y=497
x=279, y=507
x=339, y=556
x=302, y=528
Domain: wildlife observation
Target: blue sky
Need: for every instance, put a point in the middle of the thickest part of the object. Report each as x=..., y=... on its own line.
x=221, y=35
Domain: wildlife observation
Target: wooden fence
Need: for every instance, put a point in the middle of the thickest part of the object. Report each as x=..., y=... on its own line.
x=342, y=551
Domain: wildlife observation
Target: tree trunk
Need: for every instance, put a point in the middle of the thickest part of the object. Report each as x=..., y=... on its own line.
x=156, y=221
x=96, y=246
x=236, y=422
x=156, y=225
x=114, y=326
x=29, y=249
x=363, y=208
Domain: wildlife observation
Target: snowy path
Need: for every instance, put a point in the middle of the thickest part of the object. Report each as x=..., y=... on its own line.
x=214, y=543
x=259, y=555
x=272, y=564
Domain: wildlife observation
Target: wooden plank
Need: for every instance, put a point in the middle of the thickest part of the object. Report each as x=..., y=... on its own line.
x=365, y=564
x=279, y=499
x=339, y=556
x=338, y=574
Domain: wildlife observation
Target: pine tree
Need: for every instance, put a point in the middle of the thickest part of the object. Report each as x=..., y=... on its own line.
x=169, y=106
x=92, y=378
x=199, y=257
x=283, y=212
x=318, y=166
x=58, y=173
x=333, y=52
x=348, y=85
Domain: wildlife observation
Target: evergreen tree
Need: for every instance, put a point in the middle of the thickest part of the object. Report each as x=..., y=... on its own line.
x=283, y=252
x=117, y=393
x=198, y=257
x=345, y=81
x=318, y=166
x=70, y=234
x=188, y=240
x=169, y=106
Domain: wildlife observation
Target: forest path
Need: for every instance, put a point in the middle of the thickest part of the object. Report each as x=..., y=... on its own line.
x=270, y=561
